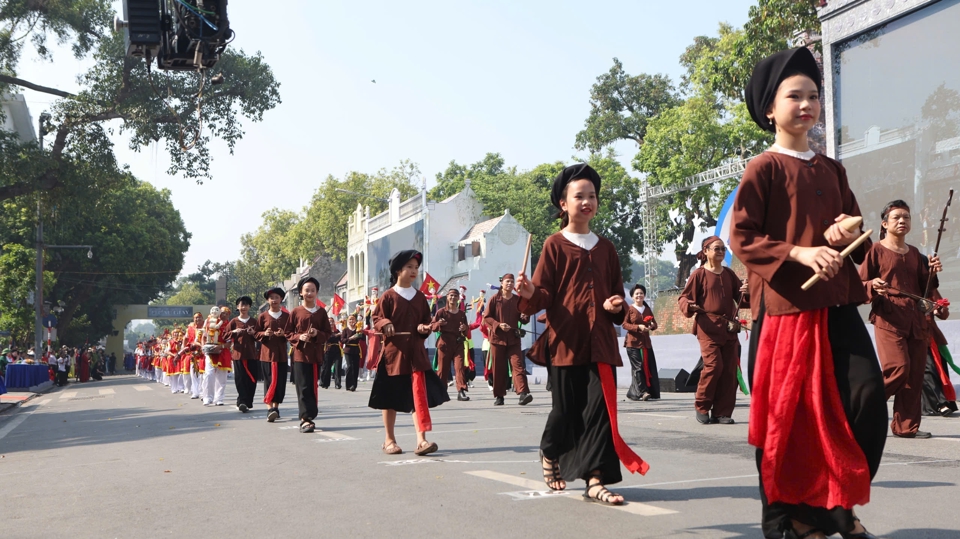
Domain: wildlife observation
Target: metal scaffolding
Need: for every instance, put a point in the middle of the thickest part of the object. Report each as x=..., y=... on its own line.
x=650, y=196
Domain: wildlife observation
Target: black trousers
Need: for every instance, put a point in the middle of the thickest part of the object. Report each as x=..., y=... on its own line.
x=638, y=385
x=331, y=362
x=61, y=378
x=860, y=383
x=933, y=398
x=306, y=380
x=245, y=380
x=578, y=428
x=352, y=356
x=274, y=381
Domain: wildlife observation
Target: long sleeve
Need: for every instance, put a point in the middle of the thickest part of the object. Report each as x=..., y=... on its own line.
x=689, y=297
x=755, y=247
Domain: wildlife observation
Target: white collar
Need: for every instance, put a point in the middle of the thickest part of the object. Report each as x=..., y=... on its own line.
x=585, y=241
x=275, y=315
x=805, y=156
x=638, y=307
x=313, y=310
x=244, y=320
x=405, y=293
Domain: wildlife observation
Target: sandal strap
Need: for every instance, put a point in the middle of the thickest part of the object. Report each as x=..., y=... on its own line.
x=603, y=494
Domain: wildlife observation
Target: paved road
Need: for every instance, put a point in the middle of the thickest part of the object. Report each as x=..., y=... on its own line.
x=125, y=458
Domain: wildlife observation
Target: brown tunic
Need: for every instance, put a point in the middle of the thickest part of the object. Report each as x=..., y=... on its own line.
x=572, y=283
x=403, y=354
x=784, y=202
x=300, y=321
x=718, y=295
x=907, y=273
x=634, y=324
x=243, y=342
x=350, y=339
x=273, y=348
x=503, y=311
x=451, y=338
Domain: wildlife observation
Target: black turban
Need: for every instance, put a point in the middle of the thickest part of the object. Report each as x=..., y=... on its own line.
x=769, y=73
x=400, y=260
x=580, y=171
x=277, y=290
x=306, y=280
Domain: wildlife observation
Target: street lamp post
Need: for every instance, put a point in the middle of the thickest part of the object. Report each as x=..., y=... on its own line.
x=38, y=294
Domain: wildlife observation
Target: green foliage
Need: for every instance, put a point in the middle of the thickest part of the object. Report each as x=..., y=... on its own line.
x=621, y=107
x=81, y=23
x=17, y=281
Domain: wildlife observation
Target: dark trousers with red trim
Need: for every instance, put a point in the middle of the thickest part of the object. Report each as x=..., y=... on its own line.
x=245, y=380
x=860, y=384
x=274, y=381
x=500, y=356
x=352, y=355
x=306, y=379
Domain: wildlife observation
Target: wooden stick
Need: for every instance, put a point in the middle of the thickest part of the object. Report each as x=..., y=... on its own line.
x=936, y=250
x=843, y=254
x=526, y=254
x=850, y=224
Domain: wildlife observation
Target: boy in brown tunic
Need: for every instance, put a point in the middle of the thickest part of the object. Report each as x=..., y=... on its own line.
x=451, y=322
x=712, y=294
x=307, y=329
x=503, y=319
x=241, y=332
x=273, y=352
x=891, y=268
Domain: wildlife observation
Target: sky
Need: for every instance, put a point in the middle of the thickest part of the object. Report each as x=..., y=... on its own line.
x=454, y=81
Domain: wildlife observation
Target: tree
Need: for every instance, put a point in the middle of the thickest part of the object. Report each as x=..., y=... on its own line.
x=273, y=248
x=17, y=278
x=121, y=88
x=684, y=141
x=621, y=106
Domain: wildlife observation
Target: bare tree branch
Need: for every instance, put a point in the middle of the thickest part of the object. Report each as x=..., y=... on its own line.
x=36, y=87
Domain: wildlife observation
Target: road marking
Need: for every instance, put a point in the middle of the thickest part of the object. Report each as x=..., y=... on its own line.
x=143, y=388
x=107, y=391
x=68, y=395
x=635, y=508
x=44, y=401
x=334, y=436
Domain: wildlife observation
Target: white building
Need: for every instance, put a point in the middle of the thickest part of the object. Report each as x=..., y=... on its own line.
x=460, y=245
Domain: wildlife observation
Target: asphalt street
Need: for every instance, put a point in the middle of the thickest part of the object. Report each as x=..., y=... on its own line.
x=125, y=458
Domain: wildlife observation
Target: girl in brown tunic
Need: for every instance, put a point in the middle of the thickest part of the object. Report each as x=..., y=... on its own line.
x=639, y=322
x=273, y=352
x=451, y=322
x=891, y=268
x=712, y=294
x=579, y=283
x=817, y=411
x=307, y=329
x=405, y=380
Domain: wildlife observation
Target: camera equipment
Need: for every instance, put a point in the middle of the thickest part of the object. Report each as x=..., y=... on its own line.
x=183, y=35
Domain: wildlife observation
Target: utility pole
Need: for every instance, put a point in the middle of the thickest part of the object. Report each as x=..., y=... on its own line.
x=38, y=294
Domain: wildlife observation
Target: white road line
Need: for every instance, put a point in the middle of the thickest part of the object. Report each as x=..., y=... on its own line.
x=68, y=395
x=635, y=508
x=15, y=422
x=143, y=388
x=44, y=401
x=463, y=430
x=107, y=391
x=334, y=436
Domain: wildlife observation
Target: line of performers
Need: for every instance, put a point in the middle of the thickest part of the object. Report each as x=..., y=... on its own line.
x=818, y=414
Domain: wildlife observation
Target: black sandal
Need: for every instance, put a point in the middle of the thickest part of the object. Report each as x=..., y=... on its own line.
x=273, y=415
x=602, y=494
x=551, y=473
x=860, y=535
x=307, y=427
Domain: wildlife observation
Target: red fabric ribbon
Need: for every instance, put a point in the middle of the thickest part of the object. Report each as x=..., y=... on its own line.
x=948, y=392
x=630, y=460
x=250, y=374
x=271, y=391
x=420, y=404
x=809, y=453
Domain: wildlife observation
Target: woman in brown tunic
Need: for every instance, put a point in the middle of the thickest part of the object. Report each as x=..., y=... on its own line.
x=817, y=411
x=308, y=328
x=893, y=268
x=713, y=294
x=405, y=380
x=578, y=281
x=273, y=352
x=639, y=322
x=451, y=322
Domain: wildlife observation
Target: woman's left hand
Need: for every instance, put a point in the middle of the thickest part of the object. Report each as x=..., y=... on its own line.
x=613, y=304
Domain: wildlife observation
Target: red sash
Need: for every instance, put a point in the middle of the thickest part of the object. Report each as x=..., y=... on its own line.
x=948, y=392
x=630, y=460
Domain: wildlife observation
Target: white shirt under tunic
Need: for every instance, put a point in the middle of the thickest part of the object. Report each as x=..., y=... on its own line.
x=586, y=241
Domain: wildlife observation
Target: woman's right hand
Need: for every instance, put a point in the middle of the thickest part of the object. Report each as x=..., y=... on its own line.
x=824, y=261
